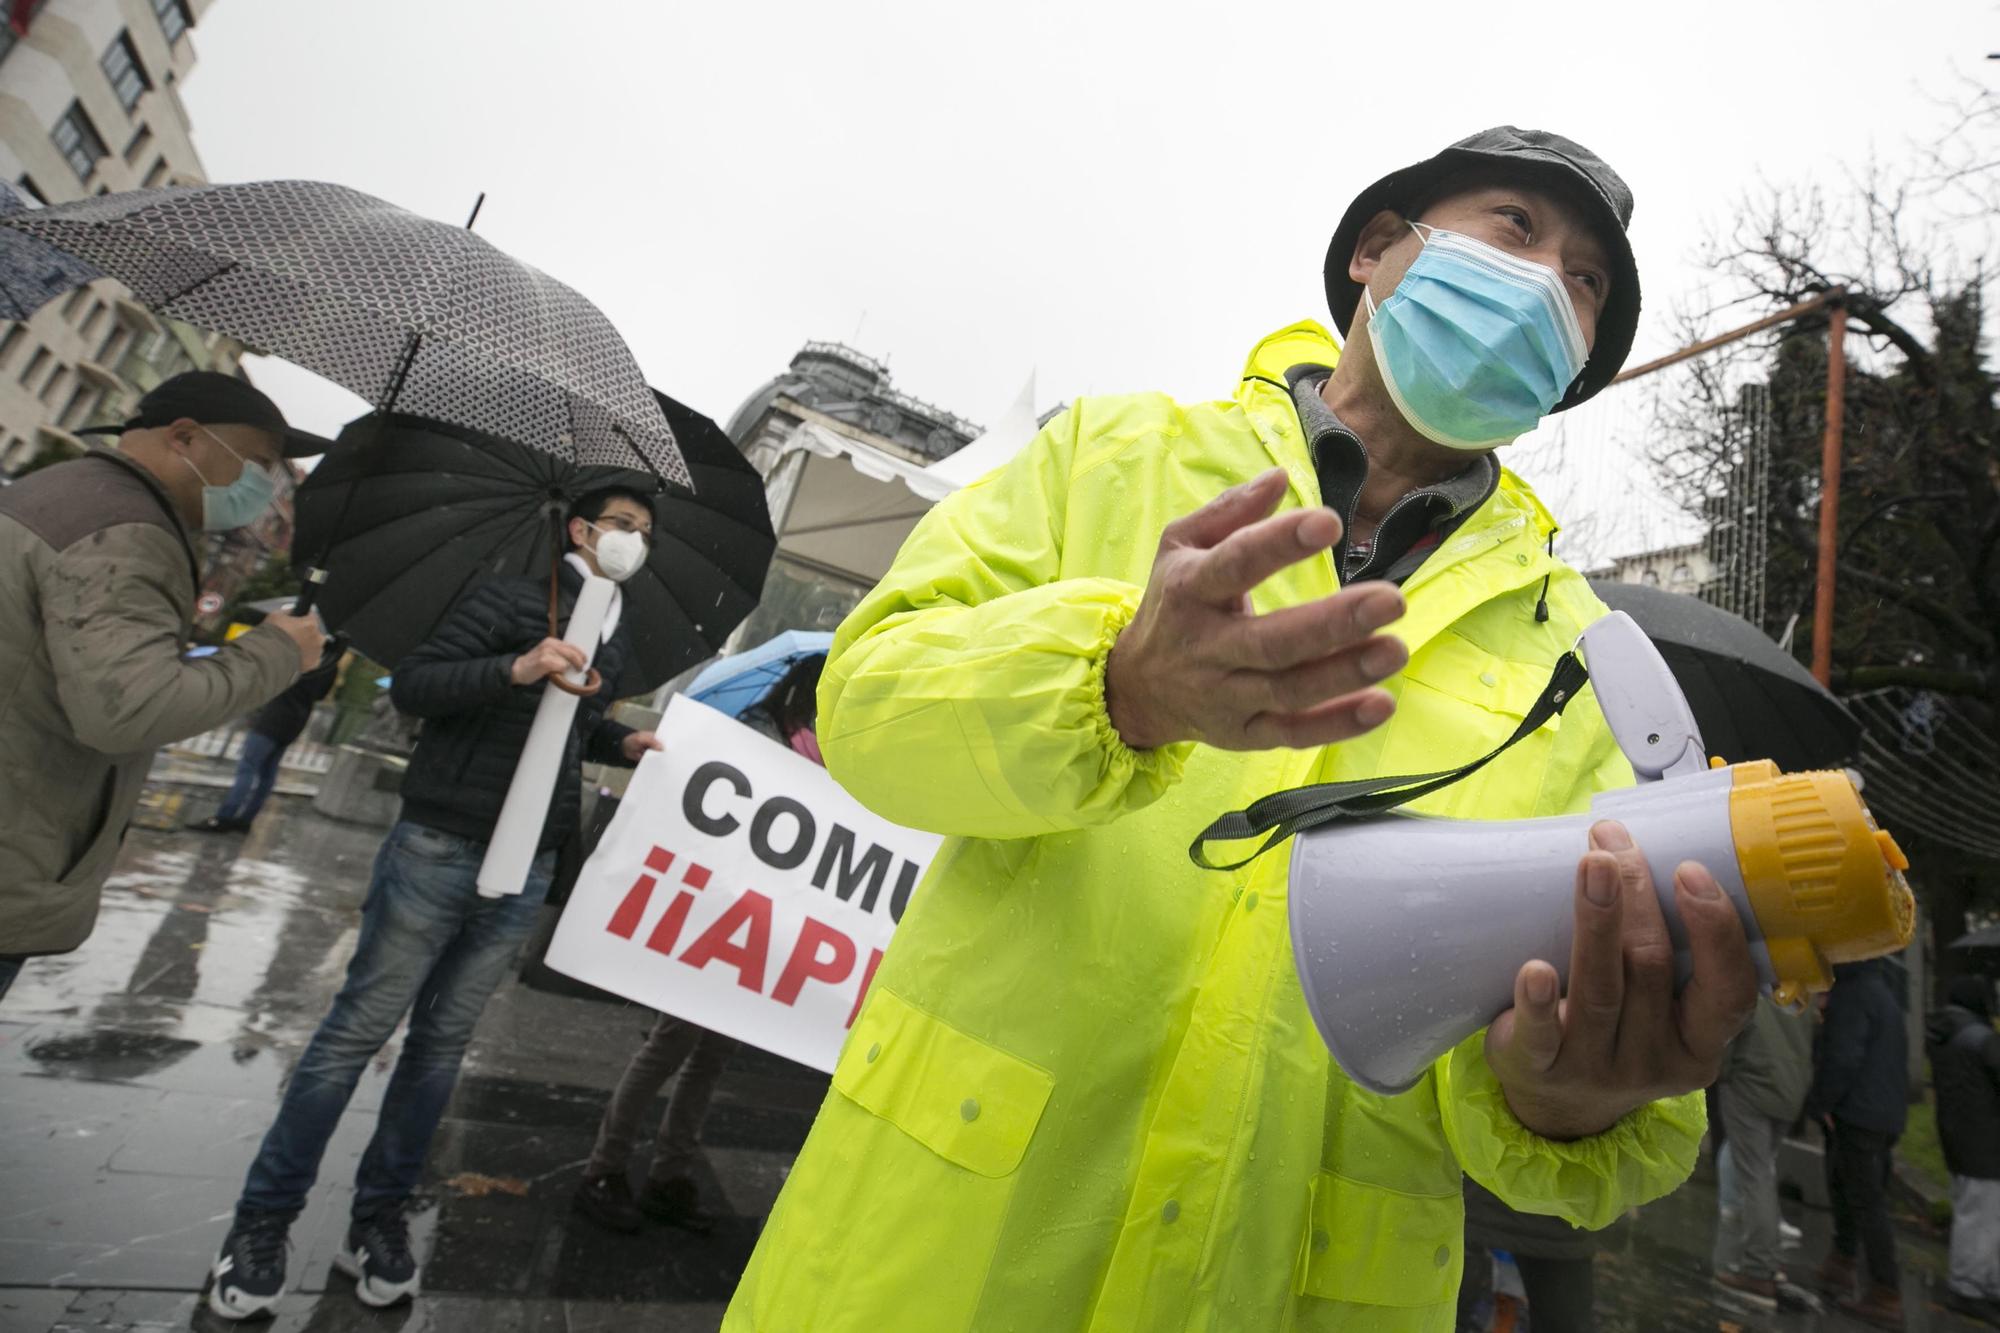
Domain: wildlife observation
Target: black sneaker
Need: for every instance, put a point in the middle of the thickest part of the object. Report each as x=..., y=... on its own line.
x=216, y=824
x=677, y=1203
x=607, y=1201
x=249, y=1274
x=1975, y=1307
x=377, y=1256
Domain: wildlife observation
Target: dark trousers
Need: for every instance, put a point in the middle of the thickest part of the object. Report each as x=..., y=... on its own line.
x=1560, y=1292
x=433, y=948
x=1857, y=1180
x=256, y=775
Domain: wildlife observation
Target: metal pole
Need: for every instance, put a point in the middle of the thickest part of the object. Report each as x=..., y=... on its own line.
x=1829, y=493
x=1832, y=296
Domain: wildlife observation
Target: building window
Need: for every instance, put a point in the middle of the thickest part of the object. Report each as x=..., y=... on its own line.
x=1683, y=575
x=127, y=76
x=142, y=138
x=173, y=18
x=32, y=190
x=78, y=141
x=7, y=341
x=93, y=321
x=55, y=384
x=74, y=302
x=77, y=408
x=36, y=365
x=156, y=174
x=112, y=347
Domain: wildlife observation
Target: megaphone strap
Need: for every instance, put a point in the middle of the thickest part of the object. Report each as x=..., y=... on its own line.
x=1297, y=809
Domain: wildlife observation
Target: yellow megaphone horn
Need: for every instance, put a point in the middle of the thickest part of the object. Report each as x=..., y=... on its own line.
x=1407, y=930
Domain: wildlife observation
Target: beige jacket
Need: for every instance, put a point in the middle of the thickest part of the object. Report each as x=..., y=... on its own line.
x=98, y=579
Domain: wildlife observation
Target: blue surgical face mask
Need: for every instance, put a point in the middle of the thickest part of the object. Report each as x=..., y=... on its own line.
x=1475, y=345
x=241, y=502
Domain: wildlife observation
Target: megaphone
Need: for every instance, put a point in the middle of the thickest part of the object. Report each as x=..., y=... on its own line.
x=1408, y=930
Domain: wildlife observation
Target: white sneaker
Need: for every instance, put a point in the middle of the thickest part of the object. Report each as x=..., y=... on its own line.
x=1789, y=1236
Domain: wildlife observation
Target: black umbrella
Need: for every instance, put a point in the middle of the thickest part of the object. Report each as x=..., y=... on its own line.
x=1750, y=697
x=410, y=512
x=416, y=316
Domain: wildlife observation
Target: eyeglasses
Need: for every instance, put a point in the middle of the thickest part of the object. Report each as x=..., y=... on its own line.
x=622, y=524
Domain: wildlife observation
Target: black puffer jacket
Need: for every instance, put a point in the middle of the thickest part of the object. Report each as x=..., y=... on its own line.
x=476, y=719
x=1965, y=1065
x=1862, y=1075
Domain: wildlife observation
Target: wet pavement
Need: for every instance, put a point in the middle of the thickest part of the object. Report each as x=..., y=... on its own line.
x=138, y=1074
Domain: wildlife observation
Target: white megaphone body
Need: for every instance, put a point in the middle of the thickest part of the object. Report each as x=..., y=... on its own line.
x=1408, y=930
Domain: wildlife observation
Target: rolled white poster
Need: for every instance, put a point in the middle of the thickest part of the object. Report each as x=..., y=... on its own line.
x=511, y=851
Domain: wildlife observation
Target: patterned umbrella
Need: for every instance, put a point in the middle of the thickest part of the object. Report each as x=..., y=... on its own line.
x=32, y=272
x=416, y=316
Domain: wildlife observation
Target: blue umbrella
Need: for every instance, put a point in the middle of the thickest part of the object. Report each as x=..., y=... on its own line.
x=741, y=679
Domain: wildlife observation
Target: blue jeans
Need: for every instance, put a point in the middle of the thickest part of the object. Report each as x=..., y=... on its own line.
x=256, y=775
x=429, y=940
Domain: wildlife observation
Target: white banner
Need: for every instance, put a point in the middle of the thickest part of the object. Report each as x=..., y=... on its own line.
x=740, y=888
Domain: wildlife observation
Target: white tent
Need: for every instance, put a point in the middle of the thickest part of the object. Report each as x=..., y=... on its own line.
x=843, y=505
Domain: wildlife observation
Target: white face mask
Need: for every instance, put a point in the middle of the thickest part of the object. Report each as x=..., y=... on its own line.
x=620, y=554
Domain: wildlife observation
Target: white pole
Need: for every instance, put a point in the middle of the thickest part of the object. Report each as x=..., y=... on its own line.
x=511, y=851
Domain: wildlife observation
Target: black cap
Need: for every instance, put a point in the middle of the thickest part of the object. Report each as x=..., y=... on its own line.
x=1542, y=158
x=215, y=399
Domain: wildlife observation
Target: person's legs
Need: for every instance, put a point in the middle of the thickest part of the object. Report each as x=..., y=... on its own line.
x=1753, y=1144
x=1561, y=1293
x=1975, y=1237
x=488, y=935
x=401, y=939
x=666, y=1047
x=250, y=763
x=1846, y=1241
x=1864, y=1169
x=1727, y=1255
x=271, y=755
x=687, y=1108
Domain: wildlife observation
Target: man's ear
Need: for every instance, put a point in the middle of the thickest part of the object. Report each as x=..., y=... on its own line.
x=579, y=532
x=1383, y=230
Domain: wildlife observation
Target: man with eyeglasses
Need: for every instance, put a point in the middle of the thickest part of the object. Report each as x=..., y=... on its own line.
x=99, y=573
x=430, y=946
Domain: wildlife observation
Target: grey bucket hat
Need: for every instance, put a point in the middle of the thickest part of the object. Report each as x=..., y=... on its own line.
x=1545, y=159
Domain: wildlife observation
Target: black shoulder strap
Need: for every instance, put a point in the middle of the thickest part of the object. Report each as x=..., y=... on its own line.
x=1297, y=809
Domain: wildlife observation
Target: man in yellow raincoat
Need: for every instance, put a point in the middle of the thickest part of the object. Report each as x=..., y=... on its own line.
x=1084, y=1092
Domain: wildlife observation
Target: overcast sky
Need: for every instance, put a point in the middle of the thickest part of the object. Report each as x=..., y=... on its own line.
x=1120, y=196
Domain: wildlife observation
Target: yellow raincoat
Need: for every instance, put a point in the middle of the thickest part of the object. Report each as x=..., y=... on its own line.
x=1085, y=1092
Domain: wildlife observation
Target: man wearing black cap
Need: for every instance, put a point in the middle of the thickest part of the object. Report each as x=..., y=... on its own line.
x=98, y=579
x=1085, y=1083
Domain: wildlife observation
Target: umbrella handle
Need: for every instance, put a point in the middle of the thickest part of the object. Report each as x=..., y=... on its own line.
x=309, y=591
x=590, y=686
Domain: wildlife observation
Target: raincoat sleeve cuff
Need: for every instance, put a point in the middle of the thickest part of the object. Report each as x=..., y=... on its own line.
x=1148, y=772
x=1586, y=1182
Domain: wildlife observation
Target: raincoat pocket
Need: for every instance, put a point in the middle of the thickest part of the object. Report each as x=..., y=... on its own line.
x=1375, y=1246
x=972, y=1104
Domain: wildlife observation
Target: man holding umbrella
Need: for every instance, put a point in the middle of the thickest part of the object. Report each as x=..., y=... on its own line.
x=98, y=578
x=430, y=945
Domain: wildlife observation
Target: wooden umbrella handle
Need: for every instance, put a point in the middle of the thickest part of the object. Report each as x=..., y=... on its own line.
x=589, y=687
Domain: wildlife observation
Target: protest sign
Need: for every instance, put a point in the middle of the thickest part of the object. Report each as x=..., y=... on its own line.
x=741, y=888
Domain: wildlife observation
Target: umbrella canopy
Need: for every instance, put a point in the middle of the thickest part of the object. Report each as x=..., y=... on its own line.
x=741, y=679
x=32, y=272
x=416, y=316
x=1751, y=699
x=409, y=513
